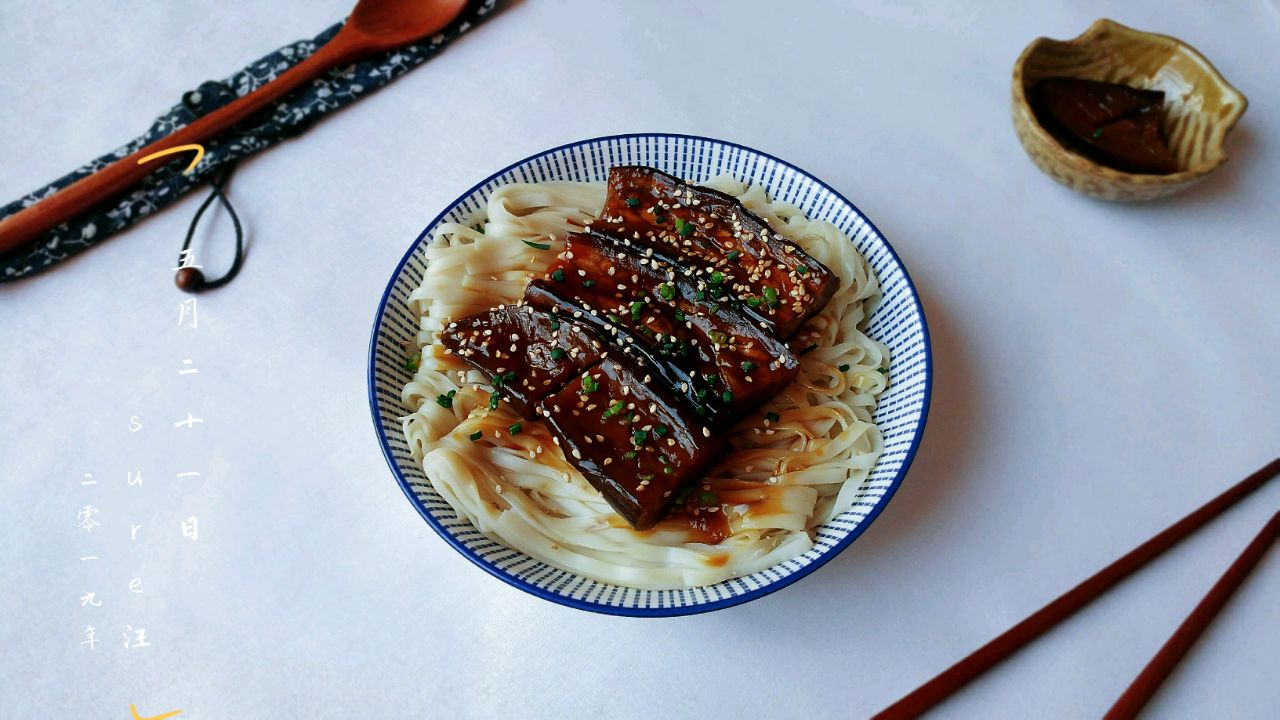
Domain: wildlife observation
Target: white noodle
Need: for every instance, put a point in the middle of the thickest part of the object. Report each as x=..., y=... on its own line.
x=779, y=480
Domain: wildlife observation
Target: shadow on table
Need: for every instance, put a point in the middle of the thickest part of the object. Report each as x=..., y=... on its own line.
x=955, y=419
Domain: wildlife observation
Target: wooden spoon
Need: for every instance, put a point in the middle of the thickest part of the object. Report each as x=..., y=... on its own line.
x=375, y=26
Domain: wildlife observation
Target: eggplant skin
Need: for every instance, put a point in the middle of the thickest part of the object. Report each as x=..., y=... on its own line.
x=634, y=442
x=696, y=341
x=526, y=354
x=704, y=231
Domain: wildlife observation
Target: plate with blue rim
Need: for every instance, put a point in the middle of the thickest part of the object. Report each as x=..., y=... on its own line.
x=898, y=321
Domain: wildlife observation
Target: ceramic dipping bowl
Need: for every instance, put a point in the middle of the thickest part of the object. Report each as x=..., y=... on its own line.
x=1200, y=108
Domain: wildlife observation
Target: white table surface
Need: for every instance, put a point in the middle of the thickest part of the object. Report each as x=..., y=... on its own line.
x=1100, y=371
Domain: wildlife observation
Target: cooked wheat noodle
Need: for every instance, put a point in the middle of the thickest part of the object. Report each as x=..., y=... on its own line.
x=777, y=483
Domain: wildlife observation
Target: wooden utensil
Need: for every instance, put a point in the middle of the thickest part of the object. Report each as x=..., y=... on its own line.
x=374, y=26
x=918, y=701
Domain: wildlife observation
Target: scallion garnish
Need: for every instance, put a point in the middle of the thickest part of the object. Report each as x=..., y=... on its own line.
x=667, y=291
x=614, y=409
x=493, y=401
x=557, y=353
x=411, y=363
x=807, y=350
x=515, y=428
x=537, y=245
x=589, y=384
x=772, y=417
x=633, y=201
x=558, y=275
x=771, y=297
x=639, y=436
x=446, y=401
x=636, y=307
x=844, y=368
x=747, y=366
x=476, y=435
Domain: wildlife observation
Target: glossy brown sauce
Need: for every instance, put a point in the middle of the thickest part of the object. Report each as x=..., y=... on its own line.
x=703, y=348
x=707, y=231
x=1115, y=125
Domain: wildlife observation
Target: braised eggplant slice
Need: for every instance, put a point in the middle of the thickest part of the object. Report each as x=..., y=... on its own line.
x=527, y=354
x=632, y=440
x=686, y=328
x=708, y=231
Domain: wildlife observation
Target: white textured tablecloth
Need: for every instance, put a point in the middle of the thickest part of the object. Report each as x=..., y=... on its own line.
x=1100, y=371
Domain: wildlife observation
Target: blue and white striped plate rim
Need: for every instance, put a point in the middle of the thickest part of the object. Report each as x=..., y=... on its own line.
x=898, y=322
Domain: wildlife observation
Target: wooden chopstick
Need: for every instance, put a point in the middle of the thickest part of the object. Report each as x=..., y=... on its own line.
x=979, y=661
x=1156, y=671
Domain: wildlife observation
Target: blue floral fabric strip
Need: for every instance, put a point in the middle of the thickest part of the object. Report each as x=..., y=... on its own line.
x=290, y=117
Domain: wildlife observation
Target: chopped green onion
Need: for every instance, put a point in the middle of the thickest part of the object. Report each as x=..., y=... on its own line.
x=515, y=428
x=700, y=393
x=537, y=245
x=493, y=401
x=1097, y=133
x=683, y=495
x=613, y=318
x=589, y=384
x=558, y=275
x=771, y=297
x=667, y=291
x=479, y=228
x=639, y=436
x=659, y=218
x=772, y=417
x=668, y=470
x=633, y=201
x=679, y=316
x=718, y=337
x=844, y=368
x=555, y=322
x=811, y=348
x=684, y=228
x=717, y=278
x=629, y=455
x=802, y=270
x=753, y=301
x=882, y=371
x=557, y=353
x=726, y=396
x=660, y=430
x=645, y=476
x=446, y=401
x=733, y=254
x=476, y=436
x=748, y=366
x=708, y=499
x=636, y=307
x=412, y=362
x=588, y=283
x=614, y=409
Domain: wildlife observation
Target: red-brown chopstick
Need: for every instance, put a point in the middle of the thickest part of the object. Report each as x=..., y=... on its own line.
x=982, y=659
x=1156, y=671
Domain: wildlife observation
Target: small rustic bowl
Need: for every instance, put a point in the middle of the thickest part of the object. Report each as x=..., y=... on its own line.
x=1201, y=107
